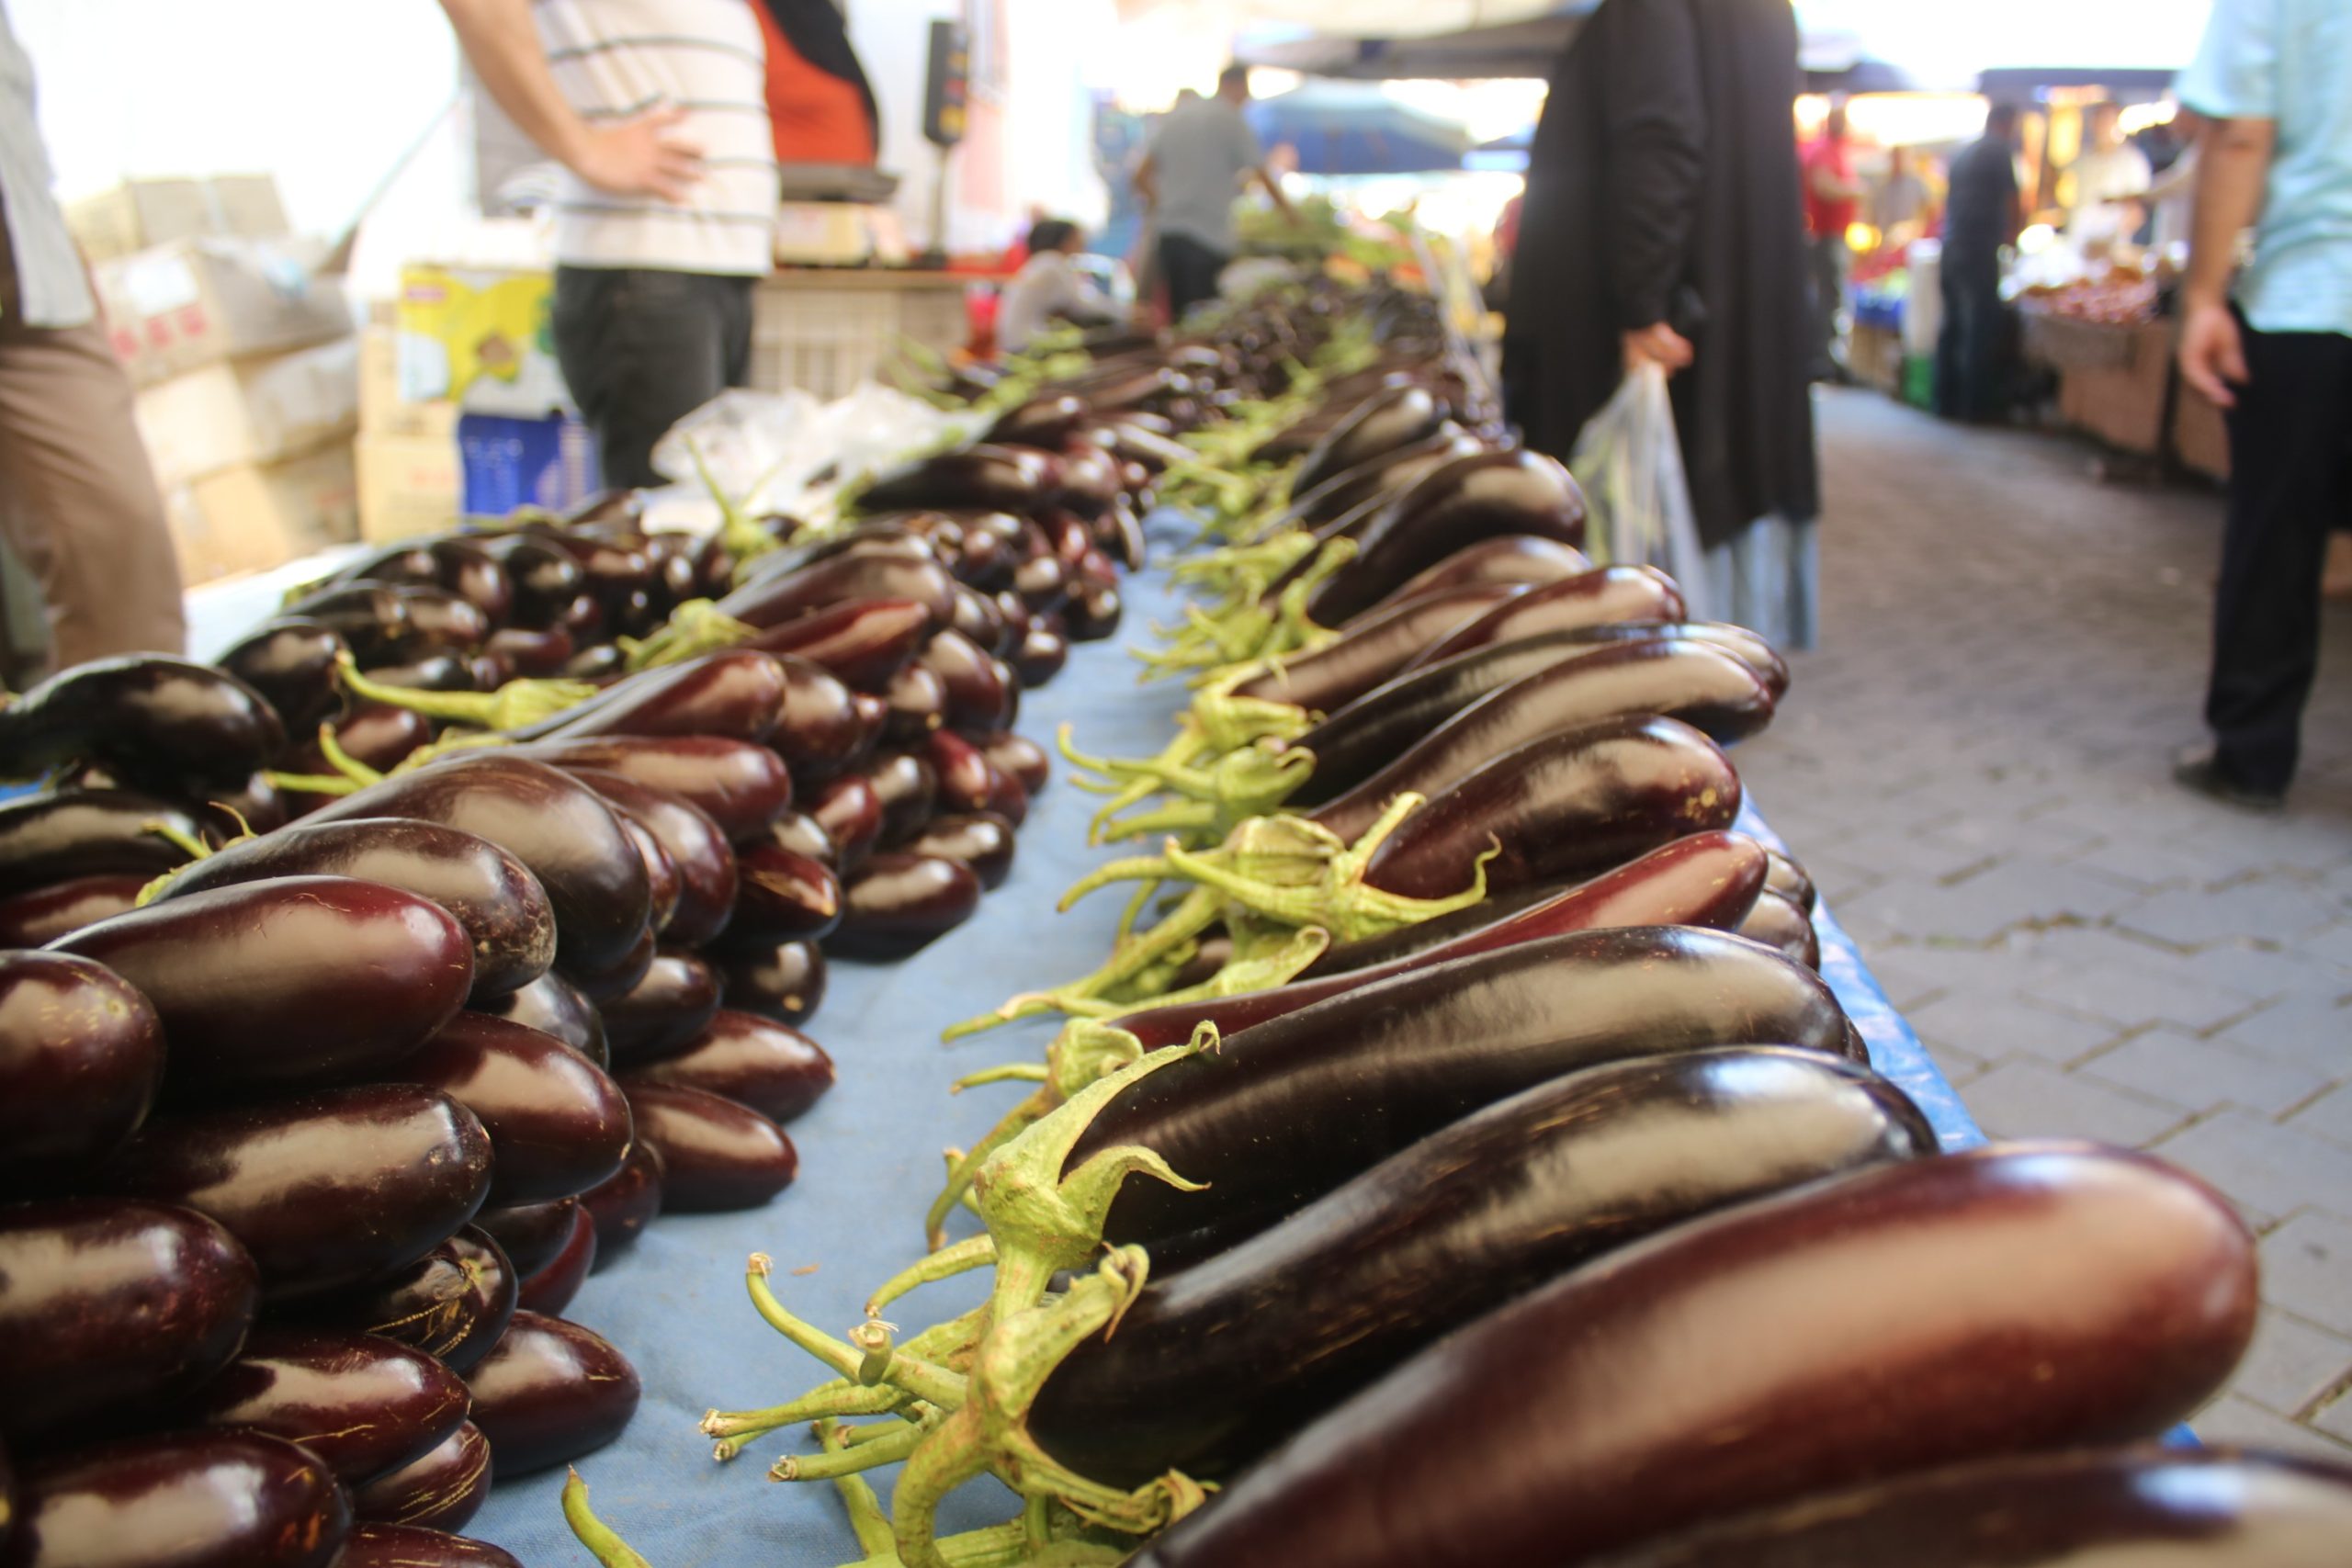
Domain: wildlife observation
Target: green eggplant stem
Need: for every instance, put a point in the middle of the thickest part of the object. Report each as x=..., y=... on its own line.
x=343, y=762
x=512, y=706
x=695, y=628
x=936, y=1385
x=593, y=1532
x=889, y=1447
x=311, y=783
x=940, y=1263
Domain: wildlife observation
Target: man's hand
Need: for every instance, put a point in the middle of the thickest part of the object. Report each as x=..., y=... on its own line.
x=1657, y=345
x=2212, y=355
x=639, y=156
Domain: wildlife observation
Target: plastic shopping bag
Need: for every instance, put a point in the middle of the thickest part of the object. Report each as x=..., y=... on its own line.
x=1630, y=465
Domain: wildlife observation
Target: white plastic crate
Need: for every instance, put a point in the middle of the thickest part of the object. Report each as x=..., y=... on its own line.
x=825, y=338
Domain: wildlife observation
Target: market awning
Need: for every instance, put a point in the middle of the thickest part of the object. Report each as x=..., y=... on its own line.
x=1345, y=128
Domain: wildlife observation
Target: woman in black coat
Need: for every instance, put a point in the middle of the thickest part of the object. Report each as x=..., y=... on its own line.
x=1662, y=221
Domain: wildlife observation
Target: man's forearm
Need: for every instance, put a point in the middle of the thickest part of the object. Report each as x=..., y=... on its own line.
x=2231, y=174
x=503, y=46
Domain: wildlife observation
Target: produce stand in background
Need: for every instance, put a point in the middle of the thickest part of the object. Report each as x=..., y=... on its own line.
x=825, y=330
x=2113, y=378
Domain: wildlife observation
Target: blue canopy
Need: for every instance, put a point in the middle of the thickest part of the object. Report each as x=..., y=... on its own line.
x=1344, y=127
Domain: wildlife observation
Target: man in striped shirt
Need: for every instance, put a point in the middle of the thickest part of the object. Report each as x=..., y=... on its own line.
x=657, y=111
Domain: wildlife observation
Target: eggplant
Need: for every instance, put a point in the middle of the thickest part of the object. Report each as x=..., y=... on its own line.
x=326, y=1190
x=1390, y=419
x=291, y=663
x=551, y=1390
x=736, y=693
x=716, y=1154
x=1377, y=475
x=554, y=1006
x=1043, y=650
x=530, y=1234
x=781, y=597
x=1508, y=558
x=980, y=839
x=500, y=905
x=440, y=1491
x=917, y=701
x=1710, y=691
x=440, y=621
x=293, y=981
x=452, y=1304
x=1216, y=1365
x=1042, y=581
x=661, y=893
x=556, y=1124
x=197, y=1499
x=848, y=809
x=1607, y=595
x=255, y=805
x=740, y=786
x=785, y=897
x=1008, y=479
x=370, y=618
x=903, y=540
x=545, y=576
x=783, y=980
x=624, y=1204
x=433, y=673
x=1995, y=1301
x=700, y=855
x=1045, y=420
x=365, y=1405
x=977, y=700
x=804, y=835
x=896, y=903
x=536, y=654
x=377, y=734
x=1468, y=499
x=145, y=712
x=108, y=1307
x=663, y=1012
x=967, y=782
x=406, y=1546
x=556, y=825
x=550, y=1288
x=81, y=1058
x=41, y=915
x=861, y=642
x=823, y=732
x=1093, y=611
x=1373, y=651
x=1779, y=924
x=622, y=978
x=461, y=566
x=1789, y=879
x=46, y=838
x=1019, y=758
x=906, y=788
x=772, y=1067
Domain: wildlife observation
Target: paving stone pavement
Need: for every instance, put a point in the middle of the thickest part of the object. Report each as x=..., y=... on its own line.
x=1974, y=765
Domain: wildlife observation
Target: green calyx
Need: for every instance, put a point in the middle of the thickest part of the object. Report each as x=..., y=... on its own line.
x=695, y=628
x=513, y=706
x=1216, y=791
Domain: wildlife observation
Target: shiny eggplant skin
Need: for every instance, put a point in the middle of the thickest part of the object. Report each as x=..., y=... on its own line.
x=197, y=1499
x=407, y=1546
x=549, y=1288
x=2221, y=1510
x=1009, y=478
x=1923, y=1313
x=487, y=891
x=848, y=809
x=370, y=618
x=145, y=712
x=1571, y=804
x=1373, y=651
x=1520, y=558
x=556, y=825
x=907, y=787
x=1737, y=641
x=529, y=1234
x=1018, y=757
x=1388, y=421
x=365, y=1405
x=81, y=1058
x=1219, y=1363
x=1093, y=611
x=657, y=1016
x=292, y=664
x=544, y=576
x=783, y=980
x=785, y=897
x=440, y=1491
x=326, y=1190
x=977, y=699
x=49, y=838
x=980, y=839
x=699, y=854
x=772, y=1067
x=740, y=786
x=536, y=654
x=108, y=1307
x=1789, y=880
x=452, y=1304
x=824, y=733
x=861, y=642
x=625, y=1204
x=551, y=1390
x=782, y=597
x=434, y=672
x=1469, y=499
x=897, y=903
x=804, y=835
x=553, y=1005
x=374, y=733
x=556, y=1124
x=1779, y=923
x=716, y=1154
x=1043, y=651
x=917, y=703
x=735, y=693
x=1607, y=595
x=440, y=621
x=1712, y=692
x=1284, y=1111
x=967, y=782
x=293, y=981
x=40, y=916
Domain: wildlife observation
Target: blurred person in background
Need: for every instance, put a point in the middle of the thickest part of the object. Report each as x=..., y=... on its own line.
x=2111, y=176
x=1982, y=214
x=2274, y=82
x=1049, y=288
x=1902, y=198
x=82, y=508
x=1191, y=173
x=1831, y=198
x=1662, y=226
x=2172, y=194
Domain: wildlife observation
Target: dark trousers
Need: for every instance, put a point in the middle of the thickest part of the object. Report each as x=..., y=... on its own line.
x=1972, y=373
x=1191, y=269
x=2290, y=483
x=1828, y=262
x=642, y=349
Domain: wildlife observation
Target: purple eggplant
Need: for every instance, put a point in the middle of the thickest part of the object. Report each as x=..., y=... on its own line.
x=1373, y=651
x=433, y=673
x=1779, y=924
x=1608, y=595
x=917, y=703
x=108, y=1307
x=662, y=889
x=365, y=1405
x=1389, y=420
x=804, y=835
x=370, y=618
x=1018, y=757
x=549, y=1288
x=1789, y=879
x=529, y=1234
x=663, y=1010
x=783, y=980
x=863, y=642
x=377, y=734
x=487, y=891
x=716, y=1154
x=551, y=1390
x=38, y=917
x=823, y=732
x=896, y=903
x=1043, y=650
x=545, y=576
x=774, y=1069
x=977, y=620
x=785, y=897
x=452, y=1304
x=848, y=809
x=441, y=1491
x=1004, y=478
x=81, y=1057
x=786, y=597
x=736, y=693
x=740, y=786
x=326, y=1190
x=1508, y=558
x=1469, y=499
x=968, y=781
x=556, y=1124
x=906, y=788
x=407, y=1546
x=146, y=713
x=625, y=1203
x=198, y=1499
x=292, y=665
x=622, y=978
x=554, y=1006
x=536, y=654
x=46, y=838
x=977, y=701
x=440, y=621
x=980, y=839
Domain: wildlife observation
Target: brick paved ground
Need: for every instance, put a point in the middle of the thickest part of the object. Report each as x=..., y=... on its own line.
x=1974, y=766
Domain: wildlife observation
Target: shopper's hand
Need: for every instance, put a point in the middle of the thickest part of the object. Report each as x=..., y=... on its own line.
x=641, y=156
x=1657, y=345
x=2212, y=355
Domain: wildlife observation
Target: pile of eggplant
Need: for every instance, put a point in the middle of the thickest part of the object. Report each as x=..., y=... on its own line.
x=1459, y=1159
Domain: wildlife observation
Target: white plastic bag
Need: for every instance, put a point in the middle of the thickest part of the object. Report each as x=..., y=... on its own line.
x=1630, y=466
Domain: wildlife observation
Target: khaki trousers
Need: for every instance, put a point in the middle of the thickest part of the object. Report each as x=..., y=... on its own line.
x=82, y=508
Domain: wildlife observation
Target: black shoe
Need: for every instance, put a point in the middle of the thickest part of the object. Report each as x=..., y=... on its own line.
x=2199, y=768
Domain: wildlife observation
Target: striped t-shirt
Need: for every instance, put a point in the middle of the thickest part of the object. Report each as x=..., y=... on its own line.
x=615, y=58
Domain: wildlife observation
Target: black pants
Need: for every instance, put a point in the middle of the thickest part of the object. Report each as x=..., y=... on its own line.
x=1972, y=361
x=2290, y=483
x=642, y=349
x=1191, y=269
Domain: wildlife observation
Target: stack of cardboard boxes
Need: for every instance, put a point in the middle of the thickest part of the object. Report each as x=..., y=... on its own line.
x=409, y=482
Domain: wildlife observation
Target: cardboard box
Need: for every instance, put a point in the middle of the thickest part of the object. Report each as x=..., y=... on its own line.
x=409, y=485
x=196, y=302
x=251, y=411
x=383, y=410
x=139, y=214
x=258, y=515
x=481, y=338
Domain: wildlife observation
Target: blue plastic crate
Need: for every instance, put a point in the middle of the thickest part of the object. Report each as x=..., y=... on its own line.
x=514, y=463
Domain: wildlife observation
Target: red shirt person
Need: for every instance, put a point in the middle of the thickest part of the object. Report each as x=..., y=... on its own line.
x=1826, y=167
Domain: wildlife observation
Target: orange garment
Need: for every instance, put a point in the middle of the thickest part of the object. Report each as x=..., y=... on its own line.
x=819, y=117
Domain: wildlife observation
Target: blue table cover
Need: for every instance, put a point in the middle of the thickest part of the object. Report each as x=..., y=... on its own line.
x=870, y=1164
